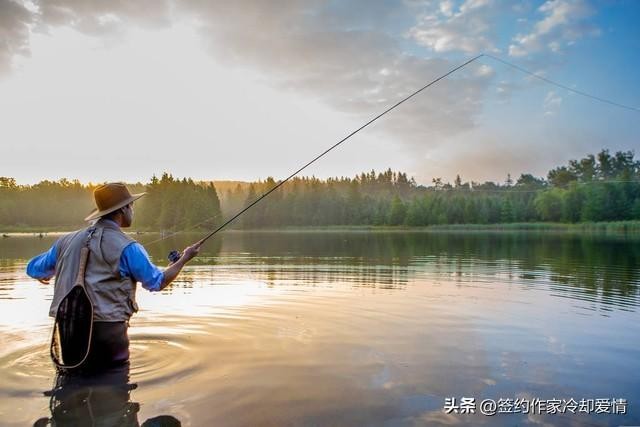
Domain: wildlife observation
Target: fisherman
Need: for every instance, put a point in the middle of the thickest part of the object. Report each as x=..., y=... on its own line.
x=116, y=263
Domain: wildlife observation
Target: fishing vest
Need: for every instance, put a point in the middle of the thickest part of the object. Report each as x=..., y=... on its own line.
x=112, y=295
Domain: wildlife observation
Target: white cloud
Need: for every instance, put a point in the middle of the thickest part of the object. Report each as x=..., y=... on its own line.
x=355, y=71
x=446, y=7
x=484, y=71
x=563, y=23
x=524, y=43
x=347, y=65
x=552, y=102
x=552, y=99
x=467, y=30
x=473, y=4
x=558, y=13
x=515, y=50
x=554, y=46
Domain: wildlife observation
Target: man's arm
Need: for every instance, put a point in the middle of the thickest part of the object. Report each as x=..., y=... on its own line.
x=135, y=263
x=43, y=266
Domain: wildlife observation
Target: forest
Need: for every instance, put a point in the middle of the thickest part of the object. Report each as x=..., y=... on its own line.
x=601, y=187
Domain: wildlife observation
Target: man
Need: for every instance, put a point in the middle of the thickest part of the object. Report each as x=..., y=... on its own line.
x=116, y=263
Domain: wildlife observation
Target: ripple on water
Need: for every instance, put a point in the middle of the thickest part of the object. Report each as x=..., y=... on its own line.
x=157, y=357
x=161, y=358
x=26, y=371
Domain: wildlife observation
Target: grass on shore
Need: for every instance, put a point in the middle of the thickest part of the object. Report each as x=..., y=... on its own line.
x=583, y=227
x=608, y=227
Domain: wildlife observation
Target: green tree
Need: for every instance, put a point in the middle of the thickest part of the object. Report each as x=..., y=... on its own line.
x=507, y=212
x=398, y=212
x=561, y=177
x=549, y=204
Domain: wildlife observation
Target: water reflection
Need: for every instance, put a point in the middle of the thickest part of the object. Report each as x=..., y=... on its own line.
x=351, y=329
x=102, y=399
x=598, y=269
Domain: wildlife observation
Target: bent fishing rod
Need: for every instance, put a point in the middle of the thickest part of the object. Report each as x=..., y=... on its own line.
x=175, y=255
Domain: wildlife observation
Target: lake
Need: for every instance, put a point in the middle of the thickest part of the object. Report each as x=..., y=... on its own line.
x=350, y=329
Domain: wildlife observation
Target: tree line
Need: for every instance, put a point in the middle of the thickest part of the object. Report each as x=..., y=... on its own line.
x=170, y=204
x=602, y=187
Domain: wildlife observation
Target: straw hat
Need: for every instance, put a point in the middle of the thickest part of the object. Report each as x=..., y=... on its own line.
x=111, y=197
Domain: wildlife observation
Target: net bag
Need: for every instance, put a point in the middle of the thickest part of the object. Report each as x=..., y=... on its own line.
x=73, y=326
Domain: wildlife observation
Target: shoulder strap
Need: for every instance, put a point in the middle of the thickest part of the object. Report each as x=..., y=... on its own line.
x=84, y=257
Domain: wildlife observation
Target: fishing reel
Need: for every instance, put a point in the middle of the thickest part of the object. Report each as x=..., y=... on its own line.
x=174, y=256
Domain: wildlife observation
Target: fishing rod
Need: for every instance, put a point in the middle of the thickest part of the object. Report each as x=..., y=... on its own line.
x=175, y=255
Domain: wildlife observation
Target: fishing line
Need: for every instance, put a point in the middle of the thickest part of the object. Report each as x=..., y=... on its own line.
x=560, y=85
x=169, y=235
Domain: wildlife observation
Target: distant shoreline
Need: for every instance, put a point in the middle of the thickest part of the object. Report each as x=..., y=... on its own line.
x=606, y=227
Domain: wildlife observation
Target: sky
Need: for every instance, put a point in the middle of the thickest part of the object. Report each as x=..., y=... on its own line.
x=120, y=91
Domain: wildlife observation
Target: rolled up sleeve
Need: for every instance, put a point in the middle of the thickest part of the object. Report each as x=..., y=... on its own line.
x=135, y=263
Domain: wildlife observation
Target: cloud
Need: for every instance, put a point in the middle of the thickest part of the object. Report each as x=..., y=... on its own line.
x=552, y=99
x=446, y=8
x=340, y=54
x=484, y=71
x=356, y=57
x=356, y=67
x=18, y=20
x=103, y=18
x=468, y=29
x=563, y=23
x=473, y=4
x=551, y=103
x=15, y=20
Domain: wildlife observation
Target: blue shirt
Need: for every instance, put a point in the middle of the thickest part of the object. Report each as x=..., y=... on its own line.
x=134, y=263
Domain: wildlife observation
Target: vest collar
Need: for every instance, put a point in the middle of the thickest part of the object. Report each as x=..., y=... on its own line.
x=107, y=223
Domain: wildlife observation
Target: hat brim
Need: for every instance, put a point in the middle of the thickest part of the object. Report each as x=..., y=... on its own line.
x=97, y=214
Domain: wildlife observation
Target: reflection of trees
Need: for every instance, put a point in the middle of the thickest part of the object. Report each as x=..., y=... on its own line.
x=603, y=271
x=593, y=266
x=597, y=268
x=18, y=249
x=275, y=271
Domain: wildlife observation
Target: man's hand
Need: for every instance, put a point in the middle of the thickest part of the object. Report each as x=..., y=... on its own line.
x=44, y=281
x=171, y=272
x=191, y=251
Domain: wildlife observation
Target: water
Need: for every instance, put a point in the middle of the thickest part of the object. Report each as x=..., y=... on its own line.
x=353, y=329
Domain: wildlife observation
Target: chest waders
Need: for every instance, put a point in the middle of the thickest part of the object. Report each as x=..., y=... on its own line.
x=73, y=326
